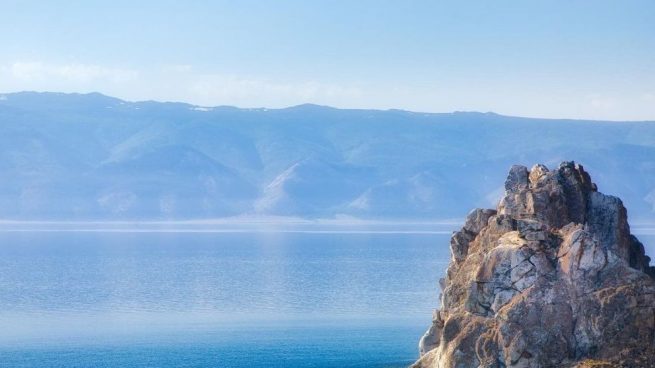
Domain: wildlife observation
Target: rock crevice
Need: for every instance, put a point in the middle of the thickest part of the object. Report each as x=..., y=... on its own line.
x=551, y=278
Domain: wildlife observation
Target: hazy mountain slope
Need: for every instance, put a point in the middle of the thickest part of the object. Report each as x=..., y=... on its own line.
x=66, y=156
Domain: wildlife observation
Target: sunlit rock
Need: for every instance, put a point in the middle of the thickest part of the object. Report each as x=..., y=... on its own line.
x=552, y=278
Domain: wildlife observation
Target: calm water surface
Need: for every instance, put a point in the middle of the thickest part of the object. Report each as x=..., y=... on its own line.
x=70, y=299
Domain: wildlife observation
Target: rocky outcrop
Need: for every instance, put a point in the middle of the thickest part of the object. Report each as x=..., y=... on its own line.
x=551, y=278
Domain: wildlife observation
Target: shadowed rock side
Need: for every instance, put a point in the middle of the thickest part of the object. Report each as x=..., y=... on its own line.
x=552, y=278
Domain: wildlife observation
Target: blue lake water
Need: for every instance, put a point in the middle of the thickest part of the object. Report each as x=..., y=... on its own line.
x=194, y=299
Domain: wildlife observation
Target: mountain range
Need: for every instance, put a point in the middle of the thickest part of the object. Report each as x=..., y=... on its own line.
x=90, y=156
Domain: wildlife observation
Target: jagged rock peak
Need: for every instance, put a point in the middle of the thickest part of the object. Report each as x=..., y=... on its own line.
x=554, y=197
x=551, y=278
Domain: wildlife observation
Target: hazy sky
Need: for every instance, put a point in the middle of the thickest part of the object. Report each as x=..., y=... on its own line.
x=578, y=59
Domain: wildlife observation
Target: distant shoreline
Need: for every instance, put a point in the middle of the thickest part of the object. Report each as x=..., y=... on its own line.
x=244, y=224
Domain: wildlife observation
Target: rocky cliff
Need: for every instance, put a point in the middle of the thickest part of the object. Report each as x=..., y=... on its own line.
x=551, y=278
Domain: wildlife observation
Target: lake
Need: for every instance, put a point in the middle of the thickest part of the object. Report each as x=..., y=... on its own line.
x=228, y=298
x=217, y=299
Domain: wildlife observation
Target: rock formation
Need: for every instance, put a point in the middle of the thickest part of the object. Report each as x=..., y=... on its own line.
x=552, y=278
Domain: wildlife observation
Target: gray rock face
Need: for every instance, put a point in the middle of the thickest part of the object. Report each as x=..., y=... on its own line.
x=552, y=278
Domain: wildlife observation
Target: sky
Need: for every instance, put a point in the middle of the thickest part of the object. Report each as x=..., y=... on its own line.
x=590, y=59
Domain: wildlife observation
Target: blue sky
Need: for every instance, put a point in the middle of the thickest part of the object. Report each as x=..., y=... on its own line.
x=578, y=59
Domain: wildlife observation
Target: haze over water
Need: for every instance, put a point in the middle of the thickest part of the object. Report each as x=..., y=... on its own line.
x=216, y=299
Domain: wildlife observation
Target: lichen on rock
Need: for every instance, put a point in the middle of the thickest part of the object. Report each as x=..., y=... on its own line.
x=551, y=278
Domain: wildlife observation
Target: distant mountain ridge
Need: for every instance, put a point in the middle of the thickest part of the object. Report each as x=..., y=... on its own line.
x=90, y=156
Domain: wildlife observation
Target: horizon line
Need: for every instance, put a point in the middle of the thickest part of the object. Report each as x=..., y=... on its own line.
x=263, y=108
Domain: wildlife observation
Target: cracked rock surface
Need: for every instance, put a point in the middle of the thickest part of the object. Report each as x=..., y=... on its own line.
x=551, y=278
